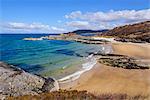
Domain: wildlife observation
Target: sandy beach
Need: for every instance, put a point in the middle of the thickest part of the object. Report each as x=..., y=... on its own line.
x=137, y=50
x=107, y=79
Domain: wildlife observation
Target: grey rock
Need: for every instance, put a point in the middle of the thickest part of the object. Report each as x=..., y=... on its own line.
x=16, y=82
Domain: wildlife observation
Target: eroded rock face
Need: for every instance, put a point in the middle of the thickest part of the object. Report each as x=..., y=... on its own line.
x=16, y=82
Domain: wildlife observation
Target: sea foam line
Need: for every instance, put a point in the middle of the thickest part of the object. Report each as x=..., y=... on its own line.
x=85, y=67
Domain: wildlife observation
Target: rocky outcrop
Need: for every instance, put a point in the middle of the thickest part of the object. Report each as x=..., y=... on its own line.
x=91, y=41
x=122, y=61
x=16, y=82
x=138, y=39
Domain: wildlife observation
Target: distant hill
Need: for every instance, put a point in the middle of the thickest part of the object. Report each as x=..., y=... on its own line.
x=139, y=32
x=88, y=31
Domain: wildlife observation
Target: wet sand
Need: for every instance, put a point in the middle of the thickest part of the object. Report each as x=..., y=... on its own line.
x=107, y=79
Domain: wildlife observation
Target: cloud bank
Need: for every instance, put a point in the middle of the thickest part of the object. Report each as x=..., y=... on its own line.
x=82, y=20
x=108, y=19
x=126, y=15
x=29, y=27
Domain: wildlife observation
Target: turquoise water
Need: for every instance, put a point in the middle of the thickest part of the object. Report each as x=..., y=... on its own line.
x=45, y=57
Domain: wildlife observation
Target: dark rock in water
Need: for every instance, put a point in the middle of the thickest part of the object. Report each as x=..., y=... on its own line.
x=29, y=68
x=16, y=82
x=67, y=52
x=65, y=42
x=121, y=61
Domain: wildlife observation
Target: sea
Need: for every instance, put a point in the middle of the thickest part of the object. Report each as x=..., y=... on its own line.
x=49, y=58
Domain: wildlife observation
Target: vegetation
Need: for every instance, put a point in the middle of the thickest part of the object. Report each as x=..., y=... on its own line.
x=139, y=32
x=57, y=95
x=77, y=95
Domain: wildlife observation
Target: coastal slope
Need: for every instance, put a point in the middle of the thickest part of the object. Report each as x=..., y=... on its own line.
x=139, y=32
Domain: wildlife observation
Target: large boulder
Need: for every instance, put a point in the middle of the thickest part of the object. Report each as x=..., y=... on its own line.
x=16, y=82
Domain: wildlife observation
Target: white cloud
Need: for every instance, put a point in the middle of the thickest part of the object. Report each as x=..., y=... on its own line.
x=74, y=15
x=87, y=25
x=106, y=20
x=90, y=25
x=78, y=24
x=125, y=15
x=30, y=27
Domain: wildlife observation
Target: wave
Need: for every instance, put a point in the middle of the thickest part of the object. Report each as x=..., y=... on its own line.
x=91, y=61
x=85, y=67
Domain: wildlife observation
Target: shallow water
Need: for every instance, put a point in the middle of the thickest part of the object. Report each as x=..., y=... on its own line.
x=46, y=57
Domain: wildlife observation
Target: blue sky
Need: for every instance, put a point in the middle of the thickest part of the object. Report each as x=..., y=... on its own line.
x=52, y=16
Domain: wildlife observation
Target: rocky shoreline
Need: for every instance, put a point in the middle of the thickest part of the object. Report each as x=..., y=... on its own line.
x=76, y=38
x=121, y=61
x=16, y=82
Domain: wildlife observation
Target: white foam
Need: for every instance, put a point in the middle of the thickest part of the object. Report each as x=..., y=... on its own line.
x=85, y=67
x=91, y=61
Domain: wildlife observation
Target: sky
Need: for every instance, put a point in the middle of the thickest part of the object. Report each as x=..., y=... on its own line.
x=58, y=16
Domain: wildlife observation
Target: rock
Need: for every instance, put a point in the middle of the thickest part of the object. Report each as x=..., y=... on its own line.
x=16, y=82
x=49, y=85
x=120, y=61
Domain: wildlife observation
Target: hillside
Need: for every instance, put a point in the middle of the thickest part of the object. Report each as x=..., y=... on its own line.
x=139, y=32
x=88, y=31
x=85, y=32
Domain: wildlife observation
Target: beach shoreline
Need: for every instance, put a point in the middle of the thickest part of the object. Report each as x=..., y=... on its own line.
x=103, y=79
x=89, y=63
